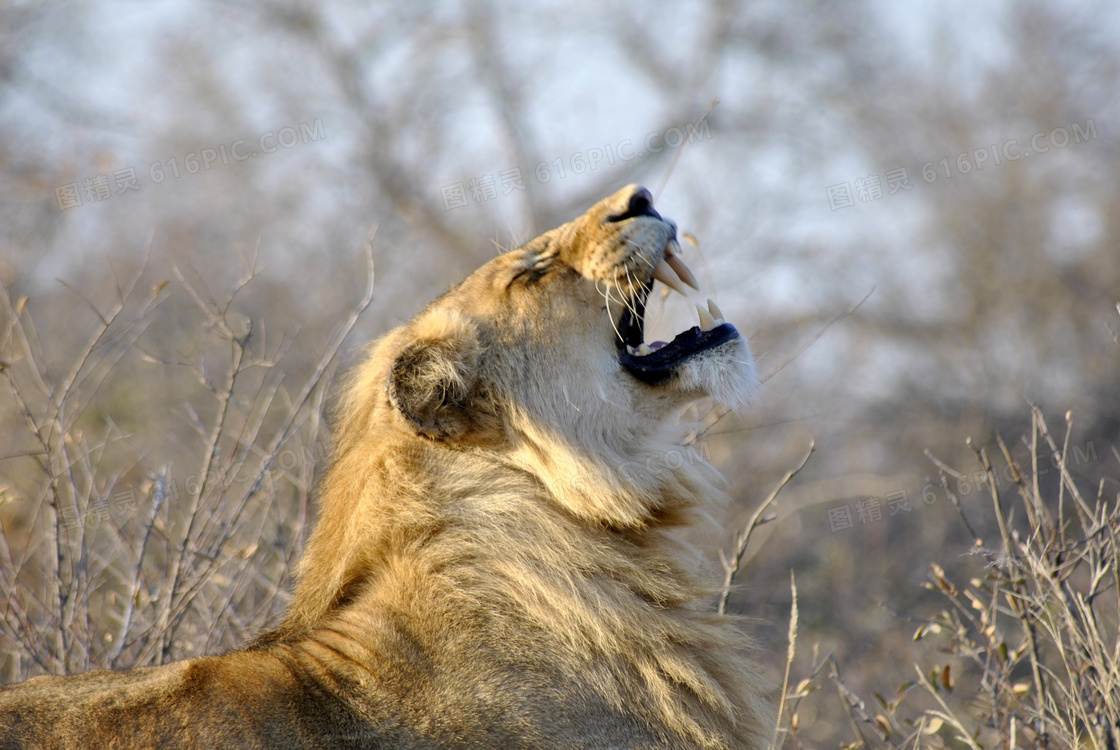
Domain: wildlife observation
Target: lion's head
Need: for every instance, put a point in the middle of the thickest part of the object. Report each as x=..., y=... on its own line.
x=538, y=356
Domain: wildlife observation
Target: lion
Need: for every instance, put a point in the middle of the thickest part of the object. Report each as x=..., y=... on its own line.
x=497, y=561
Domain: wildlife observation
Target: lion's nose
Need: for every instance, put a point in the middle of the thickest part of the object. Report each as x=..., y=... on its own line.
x=640, y=204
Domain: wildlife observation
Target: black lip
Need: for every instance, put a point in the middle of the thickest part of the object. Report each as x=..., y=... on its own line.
x=659, y=365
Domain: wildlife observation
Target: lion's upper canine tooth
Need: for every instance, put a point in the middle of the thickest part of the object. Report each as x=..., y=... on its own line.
x=707, y=322
x=667, y=276
x=682, y=271
x=713, y=308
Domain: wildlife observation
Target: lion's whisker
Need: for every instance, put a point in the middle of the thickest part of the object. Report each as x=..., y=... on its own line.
x=626, y=299
x=606, y=292
x=632, y=299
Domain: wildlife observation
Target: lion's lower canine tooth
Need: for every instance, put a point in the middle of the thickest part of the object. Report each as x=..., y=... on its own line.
x=667, y=276
x=707, y=322
x=644, y=349
x=682, y=270
x=713, y=308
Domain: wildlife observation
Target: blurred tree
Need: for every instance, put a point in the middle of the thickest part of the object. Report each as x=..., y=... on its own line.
x=460, y=128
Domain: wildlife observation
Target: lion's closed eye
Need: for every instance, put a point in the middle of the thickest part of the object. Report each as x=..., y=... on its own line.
x=533, y=269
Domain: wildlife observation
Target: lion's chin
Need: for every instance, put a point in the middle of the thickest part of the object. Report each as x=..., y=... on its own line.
x=725, y=372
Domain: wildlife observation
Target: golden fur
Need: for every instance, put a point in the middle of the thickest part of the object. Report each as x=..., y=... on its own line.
x=496, y=561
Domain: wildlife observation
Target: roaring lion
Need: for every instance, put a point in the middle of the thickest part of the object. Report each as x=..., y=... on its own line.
x=497, y=561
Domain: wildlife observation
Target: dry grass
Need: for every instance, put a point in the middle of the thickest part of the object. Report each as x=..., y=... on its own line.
x=111, y=559
x=1034, y=630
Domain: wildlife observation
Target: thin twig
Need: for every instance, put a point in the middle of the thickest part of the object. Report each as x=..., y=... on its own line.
x=731, y=564
x=789, y=656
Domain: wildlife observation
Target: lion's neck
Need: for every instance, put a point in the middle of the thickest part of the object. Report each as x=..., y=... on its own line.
x=483, y=564
x=388, y=515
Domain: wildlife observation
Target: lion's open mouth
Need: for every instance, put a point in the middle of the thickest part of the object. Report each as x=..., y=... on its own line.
x=653, y=363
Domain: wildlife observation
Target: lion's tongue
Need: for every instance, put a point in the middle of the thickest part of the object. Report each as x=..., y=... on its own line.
x=658, y=344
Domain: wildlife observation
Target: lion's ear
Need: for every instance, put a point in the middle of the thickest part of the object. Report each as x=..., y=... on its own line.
x=432, y=381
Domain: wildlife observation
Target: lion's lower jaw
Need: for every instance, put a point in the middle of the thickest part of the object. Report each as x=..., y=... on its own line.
x=726, y=373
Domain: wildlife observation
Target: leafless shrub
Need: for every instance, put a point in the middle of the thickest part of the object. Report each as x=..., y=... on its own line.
x=124, y=560
x=1031, y=641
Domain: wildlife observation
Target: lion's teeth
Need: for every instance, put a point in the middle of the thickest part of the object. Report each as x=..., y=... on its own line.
x=644, y=349
x=713, y=308
x=664, y=273
x=707, y=322
x=682, y=271
x=673, y=248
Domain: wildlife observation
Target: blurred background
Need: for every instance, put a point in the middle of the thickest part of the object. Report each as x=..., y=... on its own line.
x=910, y=208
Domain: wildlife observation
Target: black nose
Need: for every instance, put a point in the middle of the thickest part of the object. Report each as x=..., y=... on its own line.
x=641, y=204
